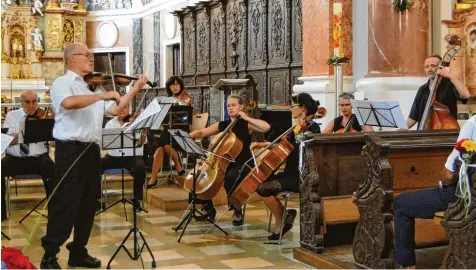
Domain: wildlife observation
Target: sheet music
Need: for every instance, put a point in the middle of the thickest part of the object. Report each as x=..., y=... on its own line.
x=153, y=115
x=185, y=141
x=6, y=140
x=111, y=138
x=388, y=113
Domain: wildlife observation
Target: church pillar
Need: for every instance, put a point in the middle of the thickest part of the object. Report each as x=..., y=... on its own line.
x=317, y=29
x=398, y=46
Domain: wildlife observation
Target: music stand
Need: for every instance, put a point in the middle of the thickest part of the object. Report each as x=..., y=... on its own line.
x=36, y=131
x=151, y=118
x=188, y=145
x=379, y=113
x=116, y=138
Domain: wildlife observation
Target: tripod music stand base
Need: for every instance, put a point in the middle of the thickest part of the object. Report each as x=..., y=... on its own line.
x=34, y=210
x=4, y=235
x=137, y=253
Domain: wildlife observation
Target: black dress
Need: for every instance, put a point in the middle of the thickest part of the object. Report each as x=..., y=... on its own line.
x=288, y=180
x=355, y=124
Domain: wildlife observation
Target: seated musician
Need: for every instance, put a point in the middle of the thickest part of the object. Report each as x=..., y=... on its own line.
x=22, y=158
x=175, y=88
x=115, y=160
x=303, y=110
x=340, y=123
x=243, y=129
x=449, y=91
x=425, y=203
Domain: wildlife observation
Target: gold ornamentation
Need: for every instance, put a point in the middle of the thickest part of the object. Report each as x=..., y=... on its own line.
x=68, y=33
x=78, y=30
x=53, y=32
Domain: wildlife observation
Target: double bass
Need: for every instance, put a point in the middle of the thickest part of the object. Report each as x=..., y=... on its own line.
x=437, y=115
x=210, y=175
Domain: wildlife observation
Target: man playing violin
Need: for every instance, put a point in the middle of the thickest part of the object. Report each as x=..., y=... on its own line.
x=22, y=158
x=449, y=90
x=79, y=115
x=347, y=119
x=302, y=110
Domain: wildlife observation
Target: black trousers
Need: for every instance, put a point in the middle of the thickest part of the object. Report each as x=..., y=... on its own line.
x=73, y=204
x=135, y=165
x=42, y=165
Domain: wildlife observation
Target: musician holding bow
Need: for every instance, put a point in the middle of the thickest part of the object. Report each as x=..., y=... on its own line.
x=242, y=128
x=449, y=90
x=302, y=110
x=175, y=88
x=22, y=158
x=79, y=115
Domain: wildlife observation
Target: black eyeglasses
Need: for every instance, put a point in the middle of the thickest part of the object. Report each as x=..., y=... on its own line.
x=88, y=55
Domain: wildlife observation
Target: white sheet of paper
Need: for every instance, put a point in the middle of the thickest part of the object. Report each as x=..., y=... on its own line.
x=6, y=140
x=389, y=113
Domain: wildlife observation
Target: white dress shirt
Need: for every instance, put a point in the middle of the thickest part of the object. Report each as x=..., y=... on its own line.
x=128, y=152
x=84, y=125
x=468, y=131
x=12, y=122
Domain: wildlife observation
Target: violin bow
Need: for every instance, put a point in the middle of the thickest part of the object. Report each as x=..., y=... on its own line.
x=112, y=75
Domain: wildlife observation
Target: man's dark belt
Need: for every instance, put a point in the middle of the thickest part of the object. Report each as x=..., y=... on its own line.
x=73, y=142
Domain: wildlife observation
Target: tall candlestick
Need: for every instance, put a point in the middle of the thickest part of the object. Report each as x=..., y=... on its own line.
x=337, y=28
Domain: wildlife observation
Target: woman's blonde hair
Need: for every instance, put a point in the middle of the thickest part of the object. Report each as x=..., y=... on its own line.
x=237, y=97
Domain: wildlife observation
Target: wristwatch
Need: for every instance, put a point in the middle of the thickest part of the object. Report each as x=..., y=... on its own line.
x=442, y=184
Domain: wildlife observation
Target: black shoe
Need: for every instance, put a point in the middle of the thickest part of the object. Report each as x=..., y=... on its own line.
x=152, y=185
x=181, y=173
x=208, y=213
x=290, y=216
x=49, y=263
x=238, y=222
x=88, y=261
x=137, y=207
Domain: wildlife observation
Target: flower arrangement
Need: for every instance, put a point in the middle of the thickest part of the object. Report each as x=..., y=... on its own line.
x=302, y=133
x=14, y=259
x=337, y=60
x=466, y=149
x=402, y=5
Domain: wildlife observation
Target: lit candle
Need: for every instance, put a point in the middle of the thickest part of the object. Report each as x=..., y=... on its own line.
x=337, y=28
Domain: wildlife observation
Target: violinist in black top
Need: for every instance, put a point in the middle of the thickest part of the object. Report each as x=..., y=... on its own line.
x=339, y=124
x=302, y=110
x=175, y=88
x=449, y=91
x=242, y=129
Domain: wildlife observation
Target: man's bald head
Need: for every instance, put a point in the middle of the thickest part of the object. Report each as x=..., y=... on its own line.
x=29, y=101
x=78, y=58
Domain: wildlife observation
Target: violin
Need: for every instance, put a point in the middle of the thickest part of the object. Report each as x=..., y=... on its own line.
x=437, y=115
x=269, y=159
x=184, y=97
x=97, y=78
x=40, y=114
x=210, y=175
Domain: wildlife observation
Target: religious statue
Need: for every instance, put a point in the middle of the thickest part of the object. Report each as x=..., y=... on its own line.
x=37, y=40
x=472, y=43
x=36, y=8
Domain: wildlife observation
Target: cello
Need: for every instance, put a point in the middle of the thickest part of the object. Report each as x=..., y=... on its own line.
x=437, y=115
x=210, y=175
x=272, y=156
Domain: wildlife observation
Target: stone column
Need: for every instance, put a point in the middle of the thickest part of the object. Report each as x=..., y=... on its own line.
x=317, y=24
x=398, y=47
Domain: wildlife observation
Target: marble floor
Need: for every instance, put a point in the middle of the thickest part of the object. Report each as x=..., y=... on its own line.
x=243, y=248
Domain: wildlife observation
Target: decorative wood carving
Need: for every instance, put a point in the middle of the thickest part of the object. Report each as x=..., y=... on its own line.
x=298, y=14
x=374, y=234
x=311, y=211
x=461, y=252
x=277, y=26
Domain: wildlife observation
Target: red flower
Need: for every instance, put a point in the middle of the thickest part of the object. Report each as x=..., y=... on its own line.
x=304, y=128
x=14, y=259
x=459, y=147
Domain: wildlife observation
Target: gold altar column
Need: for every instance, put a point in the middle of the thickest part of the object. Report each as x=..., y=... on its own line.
x=81, y=5
x=52, y=59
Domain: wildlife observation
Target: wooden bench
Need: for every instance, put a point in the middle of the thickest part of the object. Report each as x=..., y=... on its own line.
x=386, y=159
x=334, y=169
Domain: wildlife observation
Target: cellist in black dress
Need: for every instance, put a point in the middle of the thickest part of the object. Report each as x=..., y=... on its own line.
x=341, y=123
x=242, y=129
